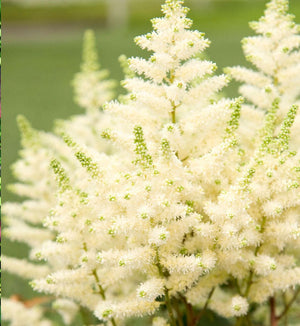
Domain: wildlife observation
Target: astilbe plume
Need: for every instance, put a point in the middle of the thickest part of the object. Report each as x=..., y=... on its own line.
x=189, y=209
x=24, y=220
x=91, y=86
x=275, y=52
x=91, y=90
x=126, y=234
x=270, y=138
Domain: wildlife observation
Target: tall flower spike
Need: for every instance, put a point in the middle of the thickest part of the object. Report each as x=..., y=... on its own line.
x=90, y=57
x=276, y=54
x=27, y=221
x=174, y=87
x=183, y=211
x=24, y=218
x=136, y=219
x=173, y=67
x=91, y=87
x=29, y=136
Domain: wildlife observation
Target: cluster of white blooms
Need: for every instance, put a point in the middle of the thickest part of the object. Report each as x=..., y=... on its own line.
x=275, y=54
x=24, y=220
x=193, y=206
x=135, y=228
x=91, y=89
x=19, y=315
x=272, y=137
x=90, y=85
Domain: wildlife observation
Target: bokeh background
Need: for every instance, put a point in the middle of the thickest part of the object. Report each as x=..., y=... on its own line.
x=42, y=52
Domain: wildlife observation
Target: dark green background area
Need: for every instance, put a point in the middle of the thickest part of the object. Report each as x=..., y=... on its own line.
x=42, y=52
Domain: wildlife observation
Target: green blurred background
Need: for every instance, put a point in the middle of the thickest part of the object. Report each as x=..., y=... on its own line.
x=42, y=52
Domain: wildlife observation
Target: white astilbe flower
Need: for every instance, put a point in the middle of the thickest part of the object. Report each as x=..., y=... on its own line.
x=91, y=86
x=19, y=315
x=126, y=221
x=159, y=321
x=193, y=207
x=266, y=286
x=91, y=90
x=125, y=309
x=158, y=236
x=151, y=289
x=275, y=53
x=239, y=306
x=26, y=221
x=267, y=197
x=248, y=211
x=263, y=265
x=23, y=268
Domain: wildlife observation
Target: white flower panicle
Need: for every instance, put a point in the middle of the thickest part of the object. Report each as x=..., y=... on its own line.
x=91, y=89
x=91, y=86
x=275, y=53
x=24, y=220
x=149, y=207
x=23, y=268
x=195, y=207
x=18, y=314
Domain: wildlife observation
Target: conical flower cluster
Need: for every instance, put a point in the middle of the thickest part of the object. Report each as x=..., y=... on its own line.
x=24, y=220
x=131, y=230
x=193, y=207
x=275, y=53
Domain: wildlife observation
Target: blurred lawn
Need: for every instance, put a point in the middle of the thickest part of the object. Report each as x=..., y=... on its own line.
x=42, y=52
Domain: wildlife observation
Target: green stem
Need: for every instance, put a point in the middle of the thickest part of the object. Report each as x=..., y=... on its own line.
x=102, y=292
x=249, y=322
x=189, y=311
x=167, y=301
x=250, y=279
x=249, y=283
x=100, y=288
x=169, y=308
x=208, y=298
x=205, y=305
x=173, y=115
x=158, y=265
x=178, y=313
x=239, y=321
x=161, y=273
x=288, y=306
x=237, y=286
